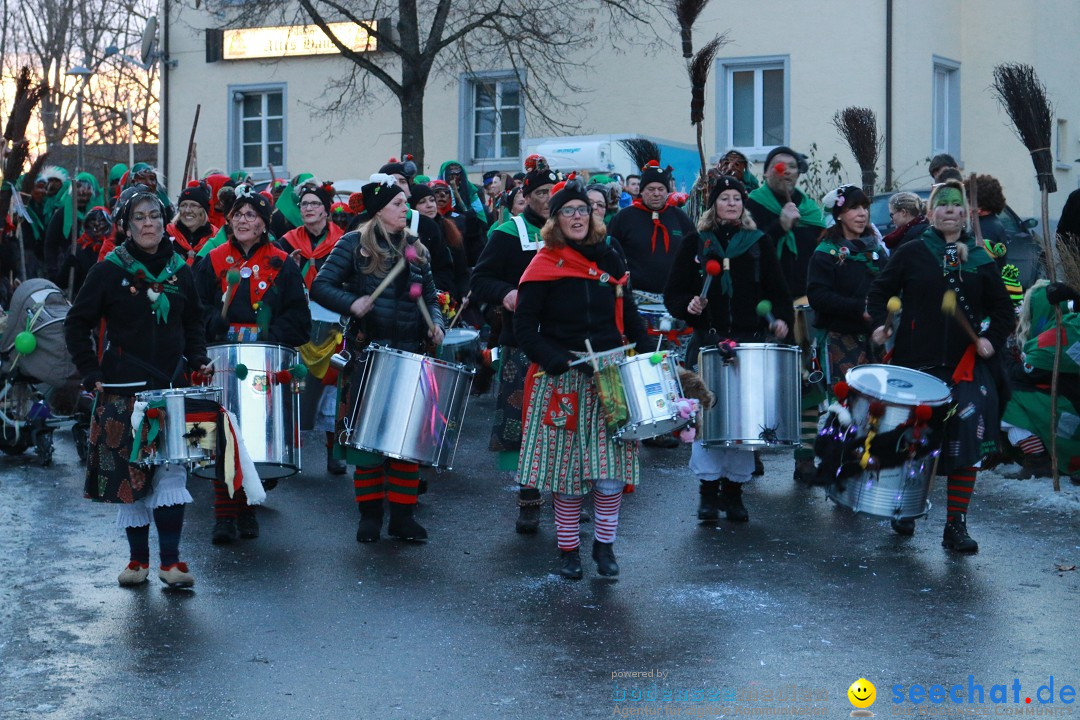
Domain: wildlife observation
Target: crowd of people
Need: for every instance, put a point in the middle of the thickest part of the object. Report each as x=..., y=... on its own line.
x=562, y=273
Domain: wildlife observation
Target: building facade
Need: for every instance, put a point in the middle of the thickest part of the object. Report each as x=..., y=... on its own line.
x=924, y=66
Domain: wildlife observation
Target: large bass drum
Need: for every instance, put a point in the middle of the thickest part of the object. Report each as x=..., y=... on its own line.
x=758, y=396
x=265, y=401
x=410, y=406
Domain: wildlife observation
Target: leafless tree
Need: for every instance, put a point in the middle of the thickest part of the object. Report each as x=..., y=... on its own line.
x=52, y=36
x=547, y=44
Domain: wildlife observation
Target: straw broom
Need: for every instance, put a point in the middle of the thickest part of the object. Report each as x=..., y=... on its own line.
x=699, y=78
x=686, y=13
x=641, y=151
x=858, y=128
x=1023, y=95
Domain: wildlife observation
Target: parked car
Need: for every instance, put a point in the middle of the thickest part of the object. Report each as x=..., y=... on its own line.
x=1024, y=246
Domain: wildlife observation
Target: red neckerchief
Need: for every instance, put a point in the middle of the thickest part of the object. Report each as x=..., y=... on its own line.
x=88, y=243
x=263, y=270
x=551, y=264
x=656, y=224
x=300, y=239
x=184, y=247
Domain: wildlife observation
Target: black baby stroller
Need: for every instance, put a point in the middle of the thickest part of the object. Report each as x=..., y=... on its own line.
x=39, y=385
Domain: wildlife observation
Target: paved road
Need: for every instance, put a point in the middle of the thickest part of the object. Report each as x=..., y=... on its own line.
x=304, y=622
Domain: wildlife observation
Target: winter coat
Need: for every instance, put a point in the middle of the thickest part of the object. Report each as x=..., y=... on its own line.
x=836, y=288
x=394, y=320
x=499, y=269
x=649, y=258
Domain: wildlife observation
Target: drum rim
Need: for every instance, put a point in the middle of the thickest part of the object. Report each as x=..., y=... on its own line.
x=897, y=401
x=190, y=390
x=276, y=346
x=460, y=367
x=756, y=346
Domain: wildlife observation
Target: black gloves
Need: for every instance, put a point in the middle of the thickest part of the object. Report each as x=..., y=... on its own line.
x=1060, y=292
x=92, y=379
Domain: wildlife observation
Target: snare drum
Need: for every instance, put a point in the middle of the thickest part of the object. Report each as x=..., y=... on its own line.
x=323, y=322
x=267, y=410
x=409, y=406
x=899, y=487
x=462, y=346
x=187, y=423
x=758, y=397
x=651, y=390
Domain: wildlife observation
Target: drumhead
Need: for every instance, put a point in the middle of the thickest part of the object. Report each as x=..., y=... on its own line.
x=899, y=385
x=321, y=314
x=652, y=309
x=460, y=336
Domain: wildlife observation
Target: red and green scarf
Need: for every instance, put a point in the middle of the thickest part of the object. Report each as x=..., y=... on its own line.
x=552, y=264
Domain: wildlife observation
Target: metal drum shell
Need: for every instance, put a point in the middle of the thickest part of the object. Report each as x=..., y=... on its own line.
x=897, y=492
x=761, y=391
x=267, y=414
x=396, y=409
x=651, y=391
x=172, y=446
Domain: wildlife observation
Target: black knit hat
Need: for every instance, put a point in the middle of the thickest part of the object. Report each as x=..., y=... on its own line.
x=418, y=193
x=539, y=178
x=726, y=182
x=653, y=173
x=405, y=167
x=245, y=195
x=571, y=189
x=800, y=159
x=847, y=197
x=198, y=193
x=378, y=192
x=320, y=191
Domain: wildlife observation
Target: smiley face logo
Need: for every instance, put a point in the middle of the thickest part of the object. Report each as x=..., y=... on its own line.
x=862, y=693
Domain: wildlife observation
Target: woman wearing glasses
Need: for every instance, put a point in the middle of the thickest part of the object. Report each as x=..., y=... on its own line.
x=575, y=290
x=265, y=303
x=145, y=294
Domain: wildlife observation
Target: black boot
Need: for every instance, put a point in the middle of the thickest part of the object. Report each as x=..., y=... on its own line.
x=333, y=465
x=571, y=565
x=903, y=526
x=370, y=520
x=402, y=526
x=709, y=508
x=759, y=467
x=247, y=525
x=956, y=535
x=604, y=555
x=1033, y=466
x=224, y=531
x=529, y=503
x=731, y=493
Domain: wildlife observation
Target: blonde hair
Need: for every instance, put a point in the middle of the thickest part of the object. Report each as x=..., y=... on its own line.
x=1023, y=323
x=708, y=222
x=379, y=256
x=909, y=202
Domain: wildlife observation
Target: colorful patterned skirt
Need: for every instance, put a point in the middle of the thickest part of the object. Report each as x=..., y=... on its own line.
x=110, y=476
x=506, y=433
x=974, y=429
x=566, y=445
x=846, y=351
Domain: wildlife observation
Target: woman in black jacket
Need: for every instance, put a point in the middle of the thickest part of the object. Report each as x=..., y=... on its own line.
x=921, y=272
x=266, y=303
x=575, y=290
x=750, y=273
x=358, y=263
x=145, y=294
x=841, y=269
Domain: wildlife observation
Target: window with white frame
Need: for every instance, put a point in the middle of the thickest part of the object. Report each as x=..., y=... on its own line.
x=1061, y=144
x=753, y=100
x=946, y=108
x=258, y=136
x=494, y=109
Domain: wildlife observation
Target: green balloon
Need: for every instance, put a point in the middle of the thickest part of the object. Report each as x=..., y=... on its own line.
x=25, y=342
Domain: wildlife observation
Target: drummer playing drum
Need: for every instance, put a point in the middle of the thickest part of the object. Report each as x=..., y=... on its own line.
x=946, y=258
x=347, y=284
x=749, y=273
x=249, y=294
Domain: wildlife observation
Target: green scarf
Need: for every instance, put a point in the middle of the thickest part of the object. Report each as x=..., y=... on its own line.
x=98, y=198
x=833, y=248
x=739, y=243
x=160, y=304
x=809, y=212
x=977, y=257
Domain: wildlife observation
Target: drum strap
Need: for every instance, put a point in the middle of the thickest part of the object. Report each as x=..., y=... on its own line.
x=528, y=243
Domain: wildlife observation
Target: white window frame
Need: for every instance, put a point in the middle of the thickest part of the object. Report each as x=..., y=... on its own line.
x=724, y=97
x=947, y=117
x=1062, y=157
x=467, y=121
x=235, y=150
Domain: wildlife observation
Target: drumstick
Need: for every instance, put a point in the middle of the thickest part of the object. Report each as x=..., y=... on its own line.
x=893, y=307
x=394, y=272
x=948, y=307
x=764, y=309
x=712, y=269
x=232, y=279
x=592, y=358
x=461, y=310
x=583, y=360
x=416, y=292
